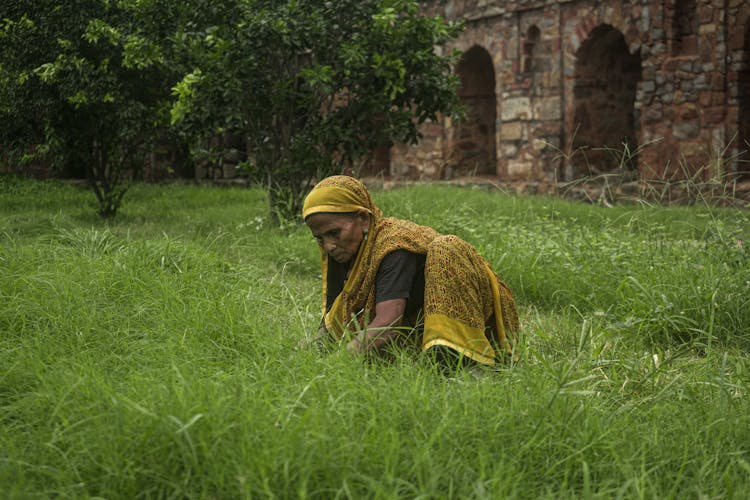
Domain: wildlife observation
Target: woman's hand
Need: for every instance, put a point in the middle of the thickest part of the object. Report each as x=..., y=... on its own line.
x=380, y=331
x=357, y=346
x=318, y=342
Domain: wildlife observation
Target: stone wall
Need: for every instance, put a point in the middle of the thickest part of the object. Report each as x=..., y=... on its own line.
x=642, y=89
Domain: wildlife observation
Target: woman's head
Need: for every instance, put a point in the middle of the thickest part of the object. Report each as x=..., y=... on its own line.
x=339, y=211
x=339, y=235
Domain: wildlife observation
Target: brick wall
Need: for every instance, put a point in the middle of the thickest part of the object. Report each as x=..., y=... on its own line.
x=642, y=89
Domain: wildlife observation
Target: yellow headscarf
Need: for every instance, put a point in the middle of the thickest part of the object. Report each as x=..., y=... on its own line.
x=339, y=194
x=452, y=317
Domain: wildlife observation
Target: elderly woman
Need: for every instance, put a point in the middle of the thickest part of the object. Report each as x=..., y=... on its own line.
x=382, y=274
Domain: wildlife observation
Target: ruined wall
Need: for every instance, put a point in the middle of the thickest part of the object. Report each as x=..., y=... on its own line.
x=640, y=89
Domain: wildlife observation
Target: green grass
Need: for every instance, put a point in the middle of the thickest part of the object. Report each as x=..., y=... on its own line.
x=155, y=355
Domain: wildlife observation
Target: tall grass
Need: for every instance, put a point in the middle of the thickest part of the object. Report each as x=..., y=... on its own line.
x=156, y=355
x=664, y=273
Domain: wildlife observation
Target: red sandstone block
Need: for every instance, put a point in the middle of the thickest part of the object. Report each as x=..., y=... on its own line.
x=689, y=45
x=736, y=38
x=717, y=82
x=713, y=115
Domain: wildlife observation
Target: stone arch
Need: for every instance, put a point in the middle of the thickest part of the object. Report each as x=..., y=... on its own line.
x=473, y=142
x=581, y=28
x=684, y=28
x=604, y=91
x=530, y=48
x=743, y=94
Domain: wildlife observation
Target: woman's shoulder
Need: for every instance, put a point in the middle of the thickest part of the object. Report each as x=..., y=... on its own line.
x=394, y=225
x=399, y=233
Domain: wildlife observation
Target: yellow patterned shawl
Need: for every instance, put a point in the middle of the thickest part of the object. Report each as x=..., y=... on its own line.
x=467, y=307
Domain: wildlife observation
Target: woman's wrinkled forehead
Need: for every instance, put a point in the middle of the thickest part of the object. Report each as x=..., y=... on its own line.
x=319, y=222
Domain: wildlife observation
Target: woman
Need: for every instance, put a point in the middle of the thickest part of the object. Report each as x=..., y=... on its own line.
x=381, y=274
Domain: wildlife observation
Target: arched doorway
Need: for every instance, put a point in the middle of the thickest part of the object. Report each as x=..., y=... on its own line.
x=604, y=123
x=473, y=144
x=743, y=91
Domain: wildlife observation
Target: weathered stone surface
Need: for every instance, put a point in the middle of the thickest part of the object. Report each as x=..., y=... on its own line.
x=713, y=115
x=652, y=114
x=508, y=150
x=519, y=169
x=584, y=74
x=547, y=108
x=687, y=129
x=511, y=131
x=516, y=108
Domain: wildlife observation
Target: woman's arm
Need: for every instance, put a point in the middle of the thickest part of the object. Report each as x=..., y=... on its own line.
x=381, y=329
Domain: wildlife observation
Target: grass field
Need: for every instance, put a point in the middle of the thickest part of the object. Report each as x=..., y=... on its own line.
x=155, y=356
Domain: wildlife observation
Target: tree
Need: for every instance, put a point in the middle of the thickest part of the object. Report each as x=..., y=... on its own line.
x=311, y=85
x=82, y=85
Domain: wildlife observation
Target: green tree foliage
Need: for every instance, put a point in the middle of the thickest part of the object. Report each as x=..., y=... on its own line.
x=312, y=86
x=82, y=85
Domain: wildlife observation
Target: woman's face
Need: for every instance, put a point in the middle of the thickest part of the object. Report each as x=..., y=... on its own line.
x=339, y=234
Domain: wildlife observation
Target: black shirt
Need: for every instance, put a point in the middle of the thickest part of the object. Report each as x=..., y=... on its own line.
x=400, y=276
